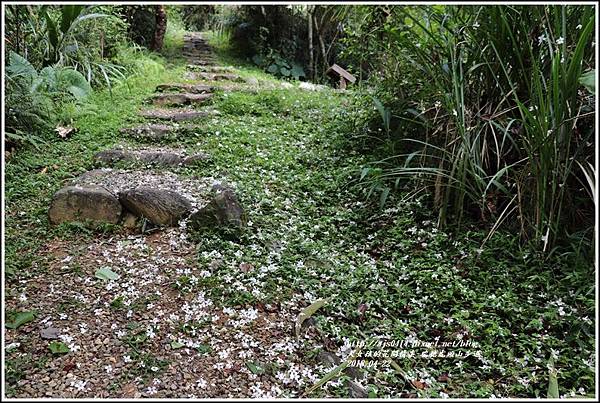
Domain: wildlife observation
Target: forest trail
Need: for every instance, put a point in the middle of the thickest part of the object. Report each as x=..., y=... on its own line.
x=136, y=310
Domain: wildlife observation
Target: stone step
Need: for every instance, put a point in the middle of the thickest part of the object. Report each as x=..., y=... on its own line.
x=180, y=87
x=199, y=75
x=201, y=62
x=175, y=115
x=163, y=198
x=198, y=53
x=211, y=69
x=197, y=46
x=181, y=98
x=148, y=156
x=152, y=131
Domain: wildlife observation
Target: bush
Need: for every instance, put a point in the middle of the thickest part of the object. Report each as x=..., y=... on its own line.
x=482, y=107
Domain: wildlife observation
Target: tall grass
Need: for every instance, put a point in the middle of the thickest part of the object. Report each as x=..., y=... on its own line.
x=510, y=123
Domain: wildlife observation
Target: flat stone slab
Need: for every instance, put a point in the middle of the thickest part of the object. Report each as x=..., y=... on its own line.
x=148, y=156
x=181, y=98
x=152, y=131
x=202, y=62
x=189, y=88
x=199, y=75
x=211, y=69
x=81, y=203
x=175, y=115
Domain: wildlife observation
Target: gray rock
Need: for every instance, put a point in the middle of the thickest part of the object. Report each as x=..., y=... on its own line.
x=161, y=207
x=180, y=99
x=223, y=213
x=148, y=156
x=190, y=88
x=159, y=158
x=196, y=158
x=328, y=359
x=74, y=203
x=356, y=391
x=109, y=157
x=193, y=75
x=252, y=81
x=173, y=114
x=50, y=333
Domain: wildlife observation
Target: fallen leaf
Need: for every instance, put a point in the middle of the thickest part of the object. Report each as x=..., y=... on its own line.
x=307, y=313
x=129, y=390
x=176, y=345
x=418, y=384
x=58, y=347
x=69, y=366
x=105, y=273
x=20, y=318
x=443, y=378
x=44, y=170
x=246, y=267
x=64, y=131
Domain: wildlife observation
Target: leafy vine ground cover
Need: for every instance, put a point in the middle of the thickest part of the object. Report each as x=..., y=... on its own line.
x=200, y=316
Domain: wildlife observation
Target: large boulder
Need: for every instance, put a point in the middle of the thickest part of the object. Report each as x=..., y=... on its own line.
x=75, y=203
x=160, y=206
x=223, y=213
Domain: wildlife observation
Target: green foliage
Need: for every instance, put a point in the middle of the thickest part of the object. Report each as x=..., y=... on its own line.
x=274, y=64
x=468, y=102
x=17, y=319
x=588, y=80
x=33, y=99
x=58, y=347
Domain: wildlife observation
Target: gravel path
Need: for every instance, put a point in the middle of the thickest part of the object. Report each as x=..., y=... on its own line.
x=147, y=333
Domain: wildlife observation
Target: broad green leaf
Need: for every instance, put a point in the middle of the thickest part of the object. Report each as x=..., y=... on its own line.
x=258, y=60
x=176, y=345
x=297, y=71
x=307, y=313
x=285, y=71
x=19, y=319
x=255, y=369
x=58, y=347
x=105, y=273
x=204, y=348
x=19, y=66
x=74, y=82
x=588, y=80
x=273, y=68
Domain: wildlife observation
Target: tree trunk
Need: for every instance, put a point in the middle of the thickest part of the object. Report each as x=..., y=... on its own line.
x=161, y=28
x=311, y=62
x=322, y=43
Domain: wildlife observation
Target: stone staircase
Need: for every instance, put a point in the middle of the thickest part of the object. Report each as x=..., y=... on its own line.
x=143, y=181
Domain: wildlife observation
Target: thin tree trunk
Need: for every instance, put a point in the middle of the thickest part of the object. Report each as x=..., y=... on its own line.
x=311, y=63
x=161, y=28
x=322, y=43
